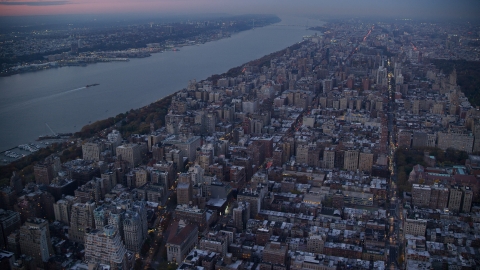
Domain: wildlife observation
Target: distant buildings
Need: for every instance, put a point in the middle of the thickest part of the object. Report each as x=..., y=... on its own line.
x=304, y=142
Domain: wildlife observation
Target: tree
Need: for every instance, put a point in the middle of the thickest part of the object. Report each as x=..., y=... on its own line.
x=138, y=264
x=166, y=265
x=4, y=182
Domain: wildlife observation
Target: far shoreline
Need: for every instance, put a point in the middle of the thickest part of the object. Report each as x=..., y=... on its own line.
x=139, y=52
x=77, y=135
x=284, y=23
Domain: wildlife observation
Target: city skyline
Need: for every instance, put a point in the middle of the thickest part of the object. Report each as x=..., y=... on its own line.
x=427, y=9
x=320, y=141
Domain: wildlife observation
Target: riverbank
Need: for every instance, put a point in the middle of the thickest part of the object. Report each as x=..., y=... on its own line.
x=88, y=58
x=117, y=43
x=59, y=97
x=132, y=122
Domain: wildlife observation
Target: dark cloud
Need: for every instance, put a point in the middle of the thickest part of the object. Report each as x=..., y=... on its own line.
x=39, y=3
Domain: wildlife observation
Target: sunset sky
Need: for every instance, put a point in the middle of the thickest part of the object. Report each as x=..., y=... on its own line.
x=468, y=9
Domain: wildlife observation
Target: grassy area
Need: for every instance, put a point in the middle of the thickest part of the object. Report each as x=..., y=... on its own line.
x=468, y=76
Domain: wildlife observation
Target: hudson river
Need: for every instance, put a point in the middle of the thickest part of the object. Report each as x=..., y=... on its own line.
x=59, y=96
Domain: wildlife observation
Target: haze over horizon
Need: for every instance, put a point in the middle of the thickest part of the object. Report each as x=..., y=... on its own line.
x=411, y=9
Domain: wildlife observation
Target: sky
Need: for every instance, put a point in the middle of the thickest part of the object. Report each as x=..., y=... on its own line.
x=448, y=9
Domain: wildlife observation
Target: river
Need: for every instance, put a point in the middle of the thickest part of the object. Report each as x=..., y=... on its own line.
x=59, y=96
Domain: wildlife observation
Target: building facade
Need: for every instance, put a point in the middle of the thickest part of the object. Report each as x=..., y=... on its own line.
x=182, y=239
x=35, y=241
x=105, y=246
x=81, y=219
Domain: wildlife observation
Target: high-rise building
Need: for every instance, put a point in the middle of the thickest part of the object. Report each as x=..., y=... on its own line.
x=421, y=195
x=151, y=193
x=460, y=139
x=184, y=193
x=9, y=222
x=204, y=160
x=238, y=218
x=109, y=181
x=35, y=204
x=181, y=240
x=131, y=153
x=438, y=197
x=338, y=201
x=237, y=175
x=43, y=173
x=133, y=231
x=302, y=154
x=254, y=198
x=92, y=150
x=327, y=85
x=92, y=190
x=365, y=161
x=467, y=199
x=329, y=158
x=35, y=240
x=105, y=246
x=110, y=214
x=216, y=242
x=241, y=214
x=350, y=162
x=415, y=227
x=153, y=139
x=366, y=85
x=141, y=177
x=262, y=236
x=13, y=243
x=382, y=76
x=16, y=184
x=275, y=253
x=210, y=122
x=135, y=226
x=455, y=199
x=8, y=197
x=128, y=218
x=192, y=214
x=186, y=144
x=63, y=208
x=81, y=219
x=315, y=244
x=114, y=139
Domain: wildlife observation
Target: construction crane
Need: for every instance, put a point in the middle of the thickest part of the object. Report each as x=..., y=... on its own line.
x=54, y=133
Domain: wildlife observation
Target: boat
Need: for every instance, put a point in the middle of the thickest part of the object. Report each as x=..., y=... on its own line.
x=90, y=85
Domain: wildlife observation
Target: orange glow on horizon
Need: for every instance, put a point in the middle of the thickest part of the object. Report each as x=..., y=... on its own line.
x=87, y=7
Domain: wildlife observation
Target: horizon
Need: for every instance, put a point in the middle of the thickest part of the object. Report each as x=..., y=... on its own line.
x=407, y=9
